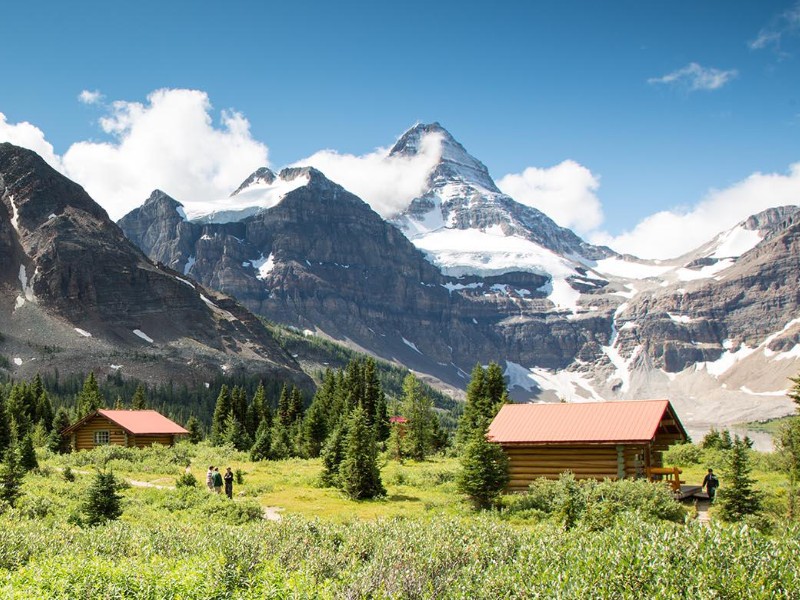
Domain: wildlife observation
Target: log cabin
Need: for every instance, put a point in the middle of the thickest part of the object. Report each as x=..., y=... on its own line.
x=597, y=440
x=132, y=428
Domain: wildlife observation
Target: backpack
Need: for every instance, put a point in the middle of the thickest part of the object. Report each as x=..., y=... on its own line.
x=713, y=481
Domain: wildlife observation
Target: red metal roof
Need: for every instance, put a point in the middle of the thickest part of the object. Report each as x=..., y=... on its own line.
x=591, y=422
x=142, y=422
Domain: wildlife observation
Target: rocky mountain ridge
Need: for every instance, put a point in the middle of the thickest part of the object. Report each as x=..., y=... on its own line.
x=76, y=295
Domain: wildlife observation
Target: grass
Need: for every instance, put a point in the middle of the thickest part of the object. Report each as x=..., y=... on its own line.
x=421, y=541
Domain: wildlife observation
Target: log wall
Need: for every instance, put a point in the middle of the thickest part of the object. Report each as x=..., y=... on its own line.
x=528, y=463
x=142, y=441
x=83, y=438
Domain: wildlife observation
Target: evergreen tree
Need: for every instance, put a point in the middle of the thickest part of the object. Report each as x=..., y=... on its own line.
x=11, y=476
x=222, y=409
x=418, y=409
x=57, y=442
x=353, y=385
x=315, y=429
x=44, y=410
x=195, y=429
x=139, y=401
x=280, y=445
x=89, y=399
x=484, y=471
x=102, y=502
x=18, y=409
x=295, y=405
x=737, y=497
x=333, y=455
x=381, y=425
x=283, y=407
x=239, y=404
x=372, y=390
x=794, y=392
x=27, y=453
x=5, y=433
x=475, y=408
x=261, y=447
x=789, y=451
x=359, y=475
x=235, y=435
x=496, y=390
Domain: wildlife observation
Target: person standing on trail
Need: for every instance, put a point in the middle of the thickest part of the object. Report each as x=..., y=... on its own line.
x=711, y=483
x=217, y=481
x=228, y=477
x=210, y=478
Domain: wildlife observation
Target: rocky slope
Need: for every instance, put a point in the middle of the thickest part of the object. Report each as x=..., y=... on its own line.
x=466, y=274
x=76, y=295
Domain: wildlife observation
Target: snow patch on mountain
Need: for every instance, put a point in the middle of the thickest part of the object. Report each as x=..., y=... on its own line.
x=263, y=265
x=568, y=386
x=250, y=201
x=735, y=242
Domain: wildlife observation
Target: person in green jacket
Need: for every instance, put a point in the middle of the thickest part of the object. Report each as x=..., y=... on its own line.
x=217, y=481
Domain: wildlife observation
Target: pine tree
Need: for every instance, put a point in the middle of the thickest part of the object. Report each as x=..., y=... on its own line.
x=44, y=410
x=27, y=454
x=139, y=401
x=418, y=409
x=195, y=429
x=57, y=442
x=789, y=451
x=314, y=429
x=5, y=433
x=484, y=471
x=239, y=404
x=737, y=497
x=280, y=445
x=372, y=390
x=261, y=447
x=222, y=409
x=332, y=455
x=235, y=435
x=18, y=409
x=89, y=399
x=102, y=502
x=295, y=405
x=794, y=393
x=359, y=475
x=283, y=406
x=11, y=476
x=473, y=418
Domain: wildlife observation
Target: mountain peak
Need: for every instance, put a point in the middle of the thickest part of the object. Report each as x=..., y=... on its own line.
x=455, y=163
x=261, y=176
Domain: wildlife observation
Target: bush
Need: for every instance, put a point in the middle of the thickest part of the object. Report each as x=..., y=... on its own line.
x=683, y=455
x=102, y=502
x=187, y=479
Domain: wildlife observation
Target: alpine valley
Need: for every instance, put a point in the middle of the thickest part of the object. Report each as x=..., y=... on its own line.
x=464, y=274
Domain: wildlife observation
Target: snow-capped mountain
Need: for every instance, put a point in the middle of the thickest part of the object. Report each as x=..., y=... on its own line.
x=77, y=296
x=467, y=226
x=466, y=274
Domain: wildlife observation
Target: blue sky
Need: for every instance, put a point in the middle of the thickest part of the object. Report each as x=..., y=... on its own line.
x=661, y=102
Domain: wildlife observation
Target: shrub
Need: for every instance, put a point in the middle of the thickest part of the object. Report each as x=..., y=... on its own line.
x=683, y=455
x=68, y=475
x=102, y=502
x=186, y=479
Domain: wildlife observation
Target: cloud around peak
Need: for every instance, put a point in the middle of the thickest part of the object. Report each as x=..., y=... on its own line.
x=169, y=142
x=387, y=183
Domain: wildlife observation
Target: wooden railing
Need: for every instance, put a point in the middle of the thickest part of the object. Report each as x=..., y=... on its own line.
x=669, y=475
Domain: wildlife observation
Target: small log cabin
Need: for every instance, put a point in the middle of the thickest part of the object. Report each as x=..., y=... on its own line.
x=133, y=428
x=593, y=440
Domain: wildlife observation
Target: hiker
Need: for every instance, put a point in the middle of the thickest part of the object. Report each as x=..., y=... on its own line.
x=711, y=483
x=210, y=478
x=228, y=483
x=217, y=481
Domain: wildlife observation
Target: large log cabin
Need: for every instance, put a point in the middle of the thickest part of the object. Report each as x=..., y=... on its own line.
x=132, y=428
x=596, y=440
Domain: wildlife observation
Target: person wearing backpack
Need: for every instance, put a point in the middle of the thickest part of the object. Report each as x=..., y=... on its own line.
x=711, y=483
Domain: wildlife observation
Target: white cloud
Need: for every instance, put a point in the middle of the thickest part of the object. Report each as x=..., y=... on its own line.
x=89, y=97
x=667, y=234
x=169, y=142
x=386, y=183
x=565, y=193
x=695, y=77
x=28, y=136
x=785, y=24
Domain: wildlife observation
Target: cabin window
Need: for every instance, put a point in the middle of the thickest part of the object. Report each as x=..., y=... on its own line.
x=101, y=438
